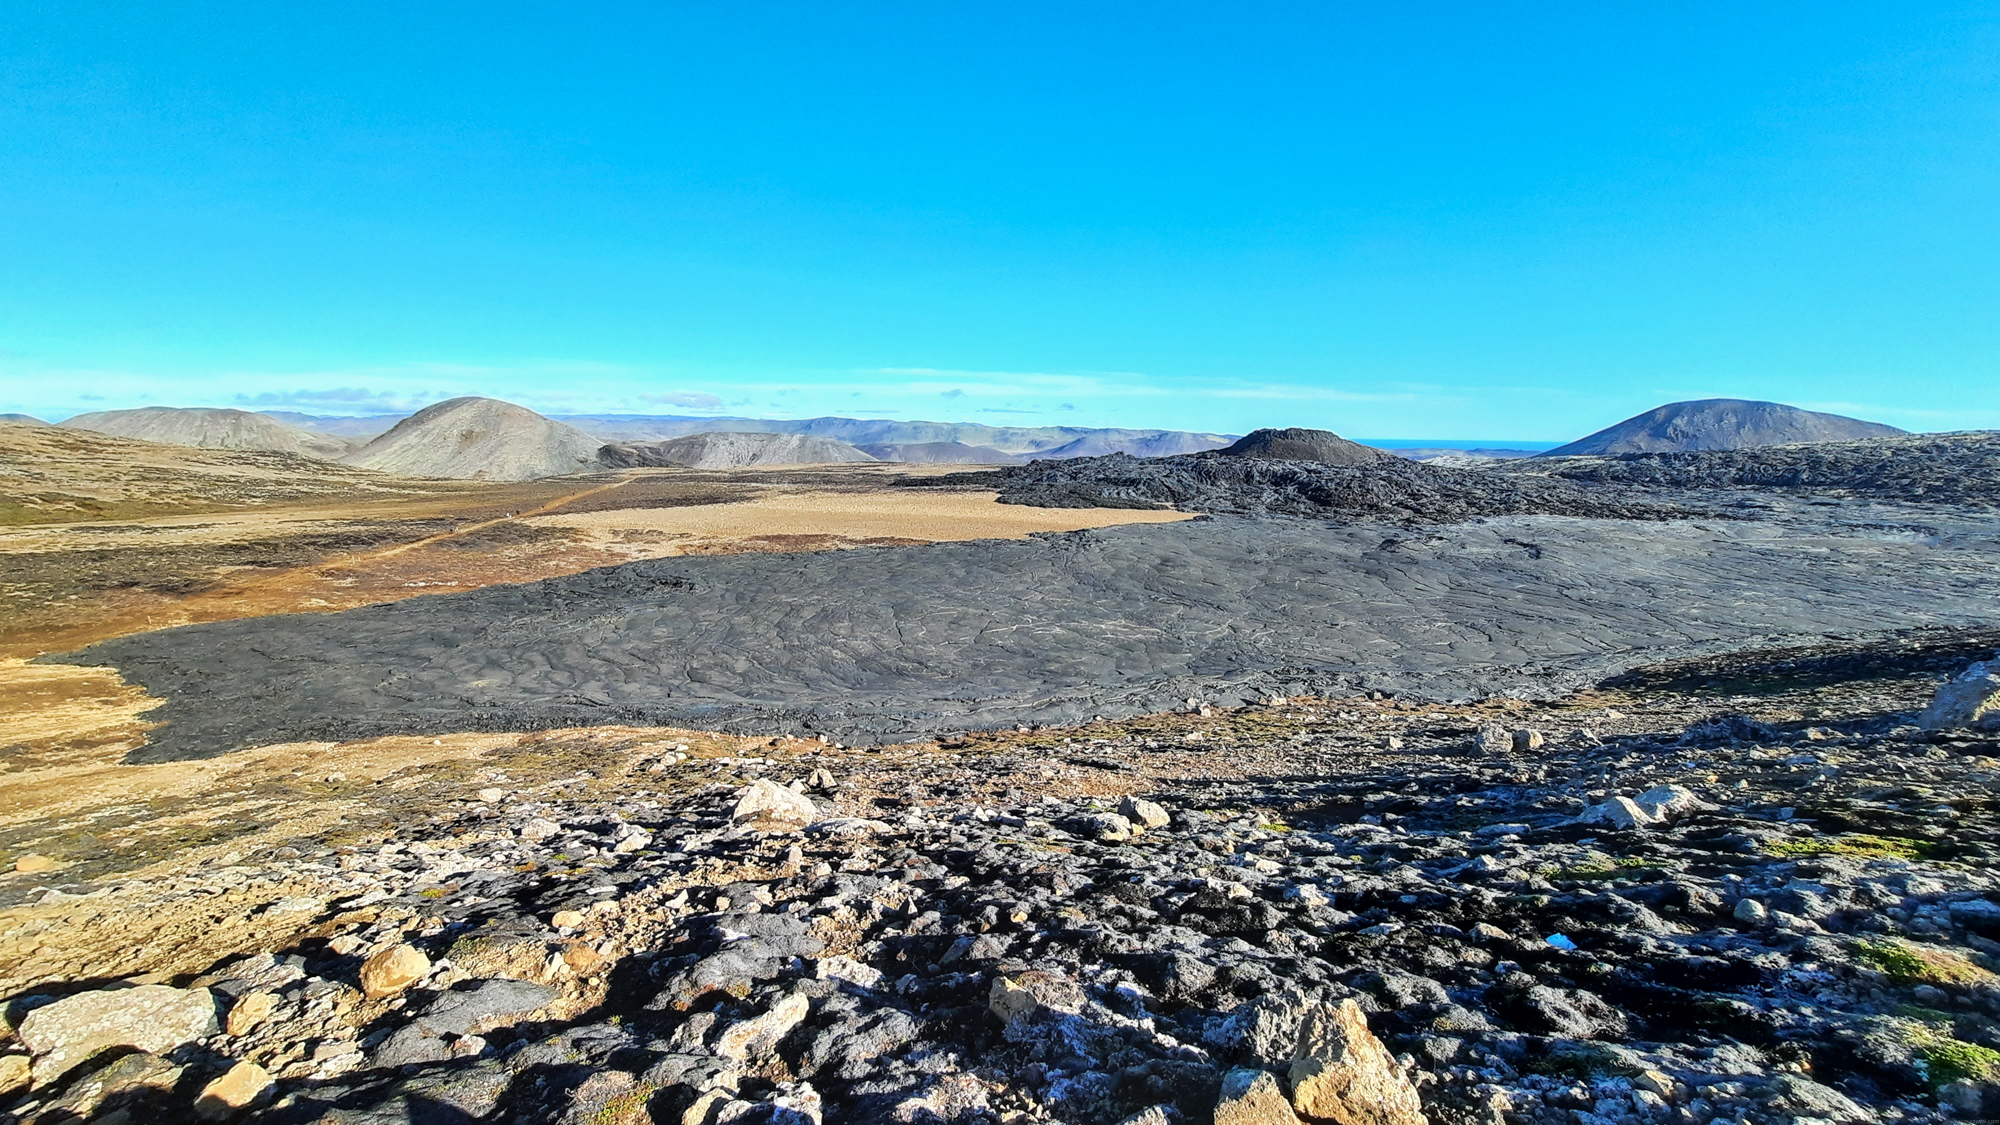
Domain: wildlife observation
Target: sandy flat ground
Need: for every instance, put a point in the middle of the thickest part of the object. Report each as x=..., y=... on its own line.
x=854, y=516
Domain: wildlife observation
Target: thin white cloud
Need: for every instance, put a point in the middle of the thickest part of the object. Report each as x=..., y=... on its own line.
x=693, y=400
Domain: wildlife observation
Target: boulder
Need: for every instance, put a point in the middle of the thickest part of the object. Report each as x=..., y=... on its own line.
x=754, y=1038
x=1252, y=1097
x=250, y=1009
x=1341, y=1073
x=129, y=1088
x=34, y=863
x=1664, y=801
x=152, y=1018
x=1493, y=739
x=1618, y=812
x=1526, y=740
x=483, y=1005
x=766, y=806
x=1109, y=828
x=1795, y=1096
x=392, y=970
x=244, y=1086
x=1970, y=700
x=1978, y=915
x=1143, y=813
x=1024, y=994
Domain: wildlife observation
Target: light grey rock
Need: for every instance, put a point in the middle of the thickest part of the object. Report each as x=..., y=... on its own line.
x=1108, y=827
x=1803, y=1097
x=152, y=1018
x=1252, y=1097
x=769, y=807
x=752, y=1039
x=1750, y=912
x=1144, y=813
x=1970, y=700
x=1618, y=812
x=1663, y=802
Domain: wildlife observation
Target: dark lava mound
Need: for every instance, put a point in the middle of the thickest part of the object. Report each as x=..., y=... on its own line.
x=1961, y=468
x=1384, y=488
x=1297, y=444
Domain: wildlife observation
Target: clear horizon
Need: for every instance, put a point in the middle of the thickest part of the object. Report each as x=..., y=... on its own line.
x=1434, y=224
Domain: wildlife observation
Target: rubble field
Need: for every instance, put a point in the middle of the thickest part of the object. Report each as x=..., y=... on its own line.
x=1733, y=889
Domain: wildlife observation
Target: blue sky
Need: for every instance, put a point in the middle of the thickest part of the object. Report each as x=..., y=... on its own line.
x=1452, y=221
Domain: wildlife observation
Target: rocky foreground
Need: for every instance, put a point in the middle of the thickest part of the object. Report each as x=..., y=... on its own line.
x=1719, y=894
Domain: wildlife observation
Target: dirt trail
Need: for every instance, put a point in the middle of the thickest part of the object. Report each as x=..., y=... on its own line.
x=468, y=529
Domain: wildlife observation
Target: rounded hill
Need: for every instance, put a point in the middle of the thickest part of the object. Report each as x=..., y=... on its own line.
x=479, y=439
x=1721, y=423
x=1294, y=443
x=211, y=428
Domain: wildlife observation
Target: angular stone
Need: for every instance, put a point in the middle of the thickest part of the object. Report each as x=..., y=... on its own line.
x=766, y=806
x=1108, y=827
x=1492, y=739
x=392, y=970
x=1618, y=812
x=130, y=1088
x=1151, y=1115
x=151, y=1018
x=243, y=1087
x=1144, y=813
x=1978, y=915
x=1802, y=1097
x=1024, y=994
x=13, y=1073
x=250, y=1009
x=1970, y=699
x=1252, y=1097
x=410, y=1043
x=755, y=1037
x=1663, y=801
x=566, y=919
x=483, y=1005
x=1341, y=1073
x=1526, y=740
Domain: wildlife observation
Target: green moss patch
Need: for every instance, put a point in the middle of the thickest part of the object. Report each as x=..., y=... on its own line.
x=1916, y=964
x=1860, y=844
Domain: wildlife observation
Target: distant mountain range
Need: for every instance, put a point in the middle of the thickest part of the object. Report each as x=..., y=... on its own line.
x=711, y=450
x=1042, y=441
x=487, y=439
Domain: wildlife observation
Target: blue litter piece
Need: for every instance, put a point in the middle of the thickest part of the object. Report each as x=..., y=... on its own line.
x=1561, y=942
